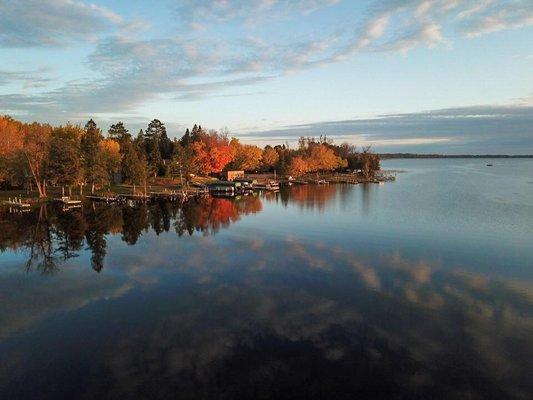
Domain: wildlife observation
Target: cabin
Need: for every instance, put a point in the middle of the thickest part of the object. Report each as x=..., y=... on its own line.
x=232, y=175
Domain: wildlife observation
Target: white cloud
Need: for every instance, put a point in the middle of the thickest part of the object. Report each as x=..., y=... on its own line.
x=198, y=11
x=53, y=22
x=133, y=71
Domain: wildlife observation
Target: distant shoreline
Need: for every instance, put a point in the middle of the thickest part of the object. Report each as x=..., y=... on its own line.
x=390, y=156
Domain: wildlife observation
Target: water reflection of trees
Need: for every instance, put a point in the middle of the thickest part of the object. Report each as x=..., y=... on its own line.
x=311, y=197
x=50, y=236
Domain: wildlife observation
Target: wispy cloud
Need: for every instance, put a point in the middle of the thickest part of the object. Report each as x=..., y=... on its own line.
x=198, y=12
x=133, y=70
x=29, y=79
x=401, y=25
x=38, y=23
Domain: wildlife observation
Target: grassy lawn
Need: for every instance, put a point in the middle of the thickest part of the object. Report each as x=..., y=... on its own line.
x=158, y=185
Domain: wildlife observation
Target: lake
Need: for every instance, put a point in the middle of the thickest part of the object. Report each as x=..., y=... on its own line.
x=416, y=289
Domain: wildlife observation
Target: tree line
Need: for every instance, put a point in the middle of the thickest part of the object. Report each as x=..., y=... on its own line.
x=38, y=155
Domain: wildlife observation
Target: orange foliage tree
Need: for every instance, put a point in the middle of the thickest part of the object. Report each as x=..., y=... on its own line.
x=23, y=147
x=322, y=158
x=11, y=141
x=270, y=158
x=109, y=153
x=212, y=152
x=247, y=157
x=298, y=166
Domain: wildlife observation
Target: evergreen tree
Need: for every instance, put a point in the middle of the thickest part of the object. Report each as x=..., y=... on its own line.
x=118, y=132
x=133, y=165
x=186, y=139
x=93, y=163
x=155, y=138
x=139, y=140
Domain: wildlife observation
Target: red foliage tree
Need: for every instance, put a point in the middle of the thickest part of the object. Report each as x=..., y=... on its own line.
x=212, y=152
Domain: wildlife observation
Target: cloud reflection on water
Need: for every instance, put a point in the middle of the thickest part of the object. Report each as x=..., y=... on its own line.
x=236, y=316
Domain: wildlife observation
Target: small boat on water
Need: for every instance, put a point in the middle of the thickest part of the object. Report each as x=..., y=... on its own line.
x=489, y=165
x=322, y=182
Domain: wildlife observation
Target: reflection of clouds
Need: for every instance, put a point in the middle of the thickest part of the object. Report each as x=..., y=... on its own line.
x=25, y=302
x=244, y=300
x=386, y=309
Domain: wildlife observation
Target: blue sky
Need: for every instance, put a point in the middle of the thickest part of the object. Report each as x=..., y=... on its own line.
x=450, y=76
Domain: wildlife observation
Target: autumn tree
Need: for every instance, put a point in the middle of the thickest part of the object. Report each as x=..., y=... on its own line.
x=246, y=157
x=110, y=157
x=269, y=158
x=322, y=158
x=11, y=142
x=212, y=152
x=298, y=166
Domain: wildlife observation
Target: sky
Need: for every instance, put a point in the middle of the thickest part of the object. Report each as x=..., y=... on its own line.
x=425, y=76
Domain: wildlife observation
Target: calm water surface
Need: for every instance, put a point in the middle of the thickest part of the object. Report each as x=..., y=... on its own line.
x=417, y=289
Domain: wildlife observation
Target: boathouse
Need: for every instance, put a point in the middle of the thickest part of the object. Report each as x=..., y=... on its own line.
x=225, y=188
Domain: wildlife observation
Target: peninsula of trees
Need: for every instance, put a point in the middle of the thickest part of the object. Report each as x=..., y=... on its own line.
x=39, y=155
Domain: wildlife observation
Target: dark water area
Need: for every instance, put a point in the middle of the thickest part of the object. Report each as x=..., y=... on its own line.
x=417, y=289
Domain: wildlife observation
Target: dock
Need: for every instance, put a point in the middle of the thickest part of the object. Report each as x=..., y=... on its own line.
x=270, y=186
x=170, y=195
x=103, y=199
x=67, y=201
x=16, y=203
x=134, y=197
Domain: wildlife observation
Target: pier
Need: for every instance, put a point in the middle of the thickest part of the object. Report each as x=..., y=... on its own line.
x=67, y=201
x=16, y=203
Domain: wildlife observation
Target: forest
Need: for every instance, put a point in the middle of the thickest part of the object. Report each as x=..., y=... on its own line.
x=35, y=156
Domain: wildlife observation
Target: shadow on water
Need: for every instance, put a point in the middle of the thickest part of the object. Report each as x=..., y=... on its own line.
x=246, y=316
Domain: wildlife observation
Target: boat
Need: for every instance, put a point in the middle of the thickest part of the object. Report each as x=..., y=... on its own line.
x=489, y=165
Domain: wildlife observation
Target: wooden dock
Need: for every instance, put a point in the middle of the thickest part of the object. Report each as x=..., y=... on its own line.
x=134, y=197
x=270, y=186
x=170, y=195
x=67, y=201
x=103, y=199
x=16, y=203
